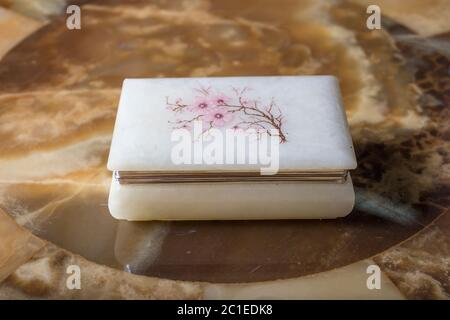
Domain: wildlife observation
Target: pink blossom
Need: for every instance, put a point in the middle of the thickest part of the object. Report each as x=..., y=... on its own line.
x=220, y=100
x=218, y=117
x=201, y=106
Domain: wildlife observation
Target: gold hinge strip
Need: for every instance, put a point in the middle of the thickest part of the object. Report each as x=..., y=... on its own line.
x=144, y=177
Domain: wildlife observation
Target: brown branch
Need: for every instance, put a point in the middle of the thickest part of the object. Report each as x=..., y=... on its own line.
x=177, y=106
x=266, y=116
x=182, y=123
x=203, y=91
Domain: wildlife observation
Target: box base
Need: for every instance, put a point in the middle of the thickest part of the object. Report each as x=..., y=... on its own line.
x=231, y=201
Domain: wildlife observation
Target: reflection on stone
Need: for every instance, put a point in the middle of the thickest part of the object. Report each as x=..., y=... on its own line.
x=138, y=244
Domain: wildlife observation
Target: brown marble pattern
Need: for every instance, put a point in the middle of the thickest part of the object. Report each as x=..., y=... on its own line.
x=420, y=267
x=58, y=96
x=17, y=246
x=13, y=28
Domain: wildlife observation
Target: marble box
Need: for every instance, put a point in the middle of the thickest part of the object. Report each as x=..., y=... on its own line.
x=274, y=147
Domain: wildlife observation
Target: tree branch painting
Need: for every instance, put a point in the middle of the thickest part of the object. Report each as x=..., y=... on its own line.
x=236, y=110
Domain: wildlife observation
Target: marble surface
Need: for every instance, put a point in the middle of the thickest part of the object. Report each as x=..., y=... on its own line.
x=58, y=98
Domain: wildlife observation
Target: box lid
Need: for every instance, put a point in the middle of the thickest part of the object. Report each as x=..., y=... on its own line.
x=304, y=114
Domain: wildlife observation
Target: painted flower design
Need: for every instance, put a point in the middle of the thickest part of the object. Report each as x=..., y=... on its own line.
x=237, y=111
x=220, y=99
x=201, y=105
x=218, y=117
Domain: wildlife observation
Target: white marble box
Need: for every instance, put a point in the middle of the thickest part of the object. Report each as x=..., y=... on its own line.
x=273, y=147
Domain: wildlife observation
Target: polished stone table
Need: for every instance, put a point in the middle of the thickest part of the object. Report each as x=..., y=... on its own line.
x=59, y=90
